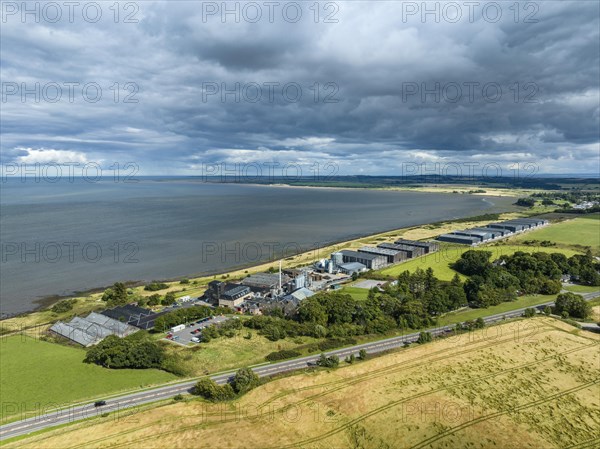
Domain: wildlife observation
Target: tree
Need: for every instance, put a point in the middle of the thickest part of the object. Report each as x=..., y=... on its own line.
x=424, y=337
x=362, y=354
x=328, y=362
x=350, y=359
x=529, y=312
x=115, y=295
x=547, y=310
x=155, y=286
x=525, y=202
x=64, y=306
x=208, y=389
x=244, y=380
x=479, y=323
x=154, y=300
x=134, y=351
x=550, y=287
x=312, y=311
x=574, y=305
x=473, y=262
x=169, y=299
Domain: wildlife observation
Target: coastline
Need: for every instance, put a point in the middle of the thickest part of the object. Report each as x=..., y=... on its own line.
x=302, y=258
x=448, y=189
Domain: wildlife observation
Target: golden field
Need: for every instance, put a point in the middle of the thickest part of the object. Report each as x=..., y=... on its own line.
x=523, y=384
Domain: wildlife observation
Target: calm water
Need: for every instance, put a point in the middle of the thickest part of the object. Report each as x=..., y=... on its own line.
x=66, y=237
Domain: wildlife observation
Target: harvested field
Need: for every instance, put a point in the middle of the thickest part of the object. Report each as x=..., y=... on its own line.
x=530, y=383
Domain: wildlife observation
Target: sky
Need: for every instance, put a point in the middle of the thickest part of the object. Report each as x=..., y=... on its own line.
x=354, y=87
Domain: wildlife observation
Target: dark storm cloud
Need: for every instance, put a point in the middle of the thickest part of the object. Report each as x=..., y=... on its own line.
x=371, y=67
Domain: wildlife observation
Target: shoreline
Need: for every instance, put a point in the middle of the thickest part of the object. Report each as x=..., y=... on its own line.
x=44, y=303
x=448, y=189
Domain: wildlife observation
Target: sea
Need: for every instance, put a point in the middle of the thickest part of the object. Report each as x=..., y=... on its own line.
x=76, y=235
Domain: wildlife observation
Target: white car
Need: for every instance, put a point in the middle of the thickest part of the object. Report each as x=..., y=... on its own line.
x=195, y=339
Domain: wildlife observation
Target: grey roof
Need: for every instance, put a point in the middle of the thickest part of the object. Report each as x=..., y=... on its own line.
x=116, y=327
x=265, y=279
x=360, y=255
x=352, y=266
x=400, y=247
x=74, y=334
x=240, y=290
x=464, y=238
x=489, y=230
x=383, y=251
x=415, y=243
x=302, y=293
x=90, y=327
x=472, y=232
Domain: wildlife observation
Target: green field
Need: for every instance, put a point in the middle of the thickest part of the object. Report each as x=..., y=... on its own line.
x=472, y=314
x=440, y=262
x=578, y=232
x=51, y=375
x=581, y=288
x=360, y=294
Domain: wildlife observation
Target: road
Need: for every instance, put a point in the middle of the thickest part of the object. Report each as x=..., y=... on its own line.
x=125, y=403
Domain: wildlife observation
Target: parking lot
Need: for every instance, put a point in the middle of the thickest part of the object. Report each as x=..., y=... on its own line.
x=185, y=336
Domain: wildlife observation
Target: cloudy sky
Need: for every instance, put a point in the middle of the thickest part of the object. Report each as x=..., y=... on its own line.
x=370, y=87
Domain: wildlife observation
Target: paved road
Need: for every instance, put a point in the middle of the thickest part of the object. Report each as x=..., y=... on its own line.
x=122, y=404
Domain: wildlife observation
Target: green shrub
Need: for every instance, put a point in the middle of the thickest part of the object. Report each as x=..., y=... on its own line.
x=64, y=306
x=424, y=337
x=282, y=355
x=155, y=286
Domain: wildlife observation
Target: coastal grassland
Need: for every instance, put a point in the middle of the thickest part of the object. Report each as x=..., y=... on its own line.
x=33, y=372
x=528, y=383
x=578, y=233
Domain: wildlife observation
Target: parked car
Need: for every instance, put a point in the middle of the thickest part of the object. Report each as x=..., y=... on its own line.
x=99, y=403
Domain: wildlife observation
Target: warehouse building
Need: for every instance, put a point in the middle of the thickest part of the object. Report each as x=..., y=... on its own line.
x=481, y=235
x=410, y=250
x=263, y=282
x=428, y=247
x=371, y=261
x=495, y=232
x=462, y=239
x=352, y=267
x=513, y=227
x=391, y=255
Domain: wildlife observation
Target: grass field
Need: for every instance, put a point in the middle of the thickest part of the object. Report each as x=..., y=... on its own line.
x=578, y=233
x=49, y=374
x=581, y=288
x=359, y=294
x=523, y=384
x=472, y=314
x=440, y=261
x=225, y=353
